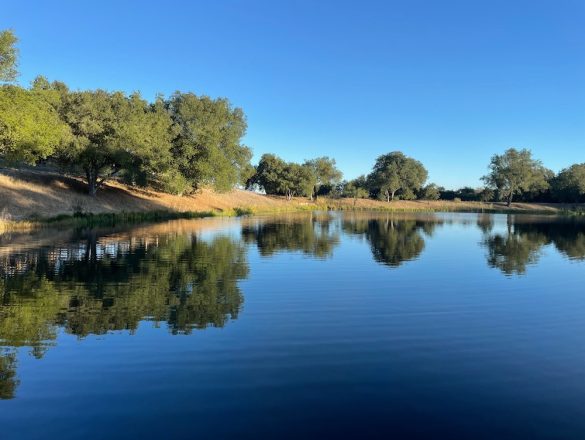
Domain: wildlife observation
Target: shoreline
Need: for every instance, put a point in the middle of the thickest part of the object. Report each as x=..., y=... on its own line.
x=108, y=219
x=32, y=199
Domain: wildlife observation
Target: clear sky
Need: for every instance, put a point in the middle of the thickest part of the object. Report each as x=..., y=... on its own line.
x=447, y=82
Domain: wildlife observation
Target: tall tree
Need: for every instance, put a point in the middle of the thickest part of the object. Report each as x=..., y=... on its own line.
x=269, y=172
x=395, y=172
x=113, y=132
x=514, y=173
x=325, y=172
x=8, y=56
x=208, y=149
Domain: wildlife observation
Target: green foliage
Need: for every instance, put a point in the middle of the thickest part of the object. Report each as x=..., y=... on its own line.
x=278, y=177
x=325, y=173
x=395, y=172
x=356, y=189
x=30, y=128
x=173, y=182
x=8, y=56
x=514, y=173
x=486, y=195
x=114, y=132
x=569, y=185
x=269, y=173
x=207, y=148
x=430, y=192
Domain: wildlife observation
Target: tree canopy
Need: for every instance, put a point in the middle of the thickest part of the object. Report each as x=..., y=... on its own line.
x=207, y=148
x=278, y=177
x=395, y=172
x=325, y=173
x=113, y=132
x=30, y=128
x=569, y=185
x=514, y=173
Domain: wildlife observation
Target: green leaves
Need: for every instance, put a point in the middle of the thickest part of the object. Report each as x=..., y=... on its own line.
x=284, y=178
x=515, y=172
x=114, y=132
x=569, y=185
x=30, y=128
x=207, y=148
x=8, y=56
x=394, y=172
x=325, y=173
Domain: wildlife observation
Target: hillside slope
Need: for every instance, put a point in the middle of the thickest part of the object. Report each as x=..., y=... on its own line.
x=26, y=194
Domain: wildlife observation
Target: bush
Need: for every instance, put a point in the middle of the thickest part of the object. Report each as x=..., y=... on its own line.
x=173, y=182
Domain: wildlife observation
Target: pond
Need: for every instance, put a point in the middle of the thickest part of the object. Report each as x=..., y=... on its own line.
x=310, y=325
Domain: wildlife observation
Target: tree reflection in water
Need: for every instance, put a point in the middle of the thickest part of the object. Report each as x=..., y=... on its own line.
x=521, y=245
x=316, y=234
x=393, y=238
x=96, y=282
x=99, y=284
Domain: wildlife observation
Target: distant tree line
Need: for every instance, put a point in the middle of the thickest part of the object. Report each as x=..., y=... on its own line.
x=183, y=142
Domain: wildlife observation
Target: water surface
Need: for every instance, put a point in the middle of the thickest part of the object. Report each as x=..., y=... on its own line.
x=310, y=325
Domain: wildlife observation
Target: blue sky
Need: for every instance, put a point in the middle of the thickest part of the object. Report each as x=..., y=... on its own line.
x=447, y=82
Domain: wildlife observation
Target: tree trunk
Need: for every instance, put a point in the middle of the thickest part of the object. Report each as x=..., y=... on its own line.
x=91, y=174
x=510, y=199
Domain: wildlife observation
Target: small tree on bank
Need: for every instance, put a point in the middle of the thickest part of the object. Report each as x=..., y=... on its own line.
x=356, y=189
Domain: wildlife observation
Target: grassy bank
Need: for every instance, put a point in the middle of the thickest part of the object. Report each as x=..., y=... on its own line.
x=31, y=199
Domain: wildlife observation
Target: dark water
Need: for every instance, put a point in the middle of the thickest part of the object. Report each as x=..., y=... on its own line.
x=301, y=326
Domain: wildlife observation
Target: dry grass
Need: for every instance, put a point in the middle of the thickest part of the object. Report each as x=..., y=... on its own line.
x=32, y=195
x=37, y=195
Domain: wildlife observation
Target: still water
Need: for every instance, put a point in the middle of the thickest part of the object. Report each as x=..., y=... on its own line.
x=315, y=325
